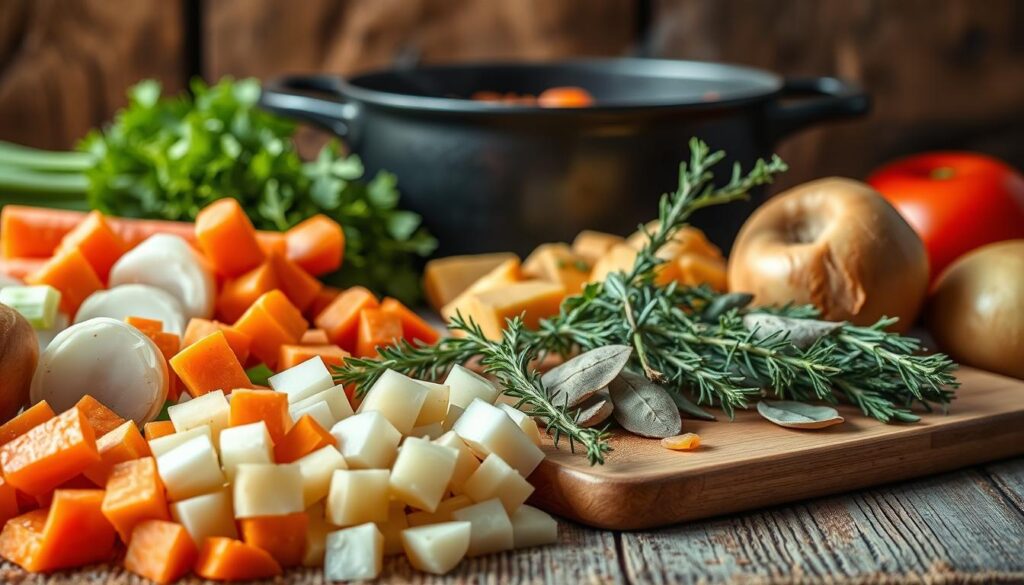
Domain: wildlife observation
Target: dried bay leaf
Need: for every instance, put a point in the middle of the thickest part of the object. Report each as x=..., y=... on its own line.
x=687, y=406
x=643, y=407
x=797, y=415
x=577, y=379
x=595, y=410
x=722, y=304
x=803, y=333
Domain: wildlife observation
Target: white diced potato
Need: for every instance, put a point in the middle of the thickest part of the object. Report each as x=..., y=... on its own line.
x=491, y=529
x=304, y=380
x=210, y=409
x=421, y=473
x=524, y=421
x=354, y=554
x=487, y=429
x=319, y=411
x=435, y=406
x=367, y=440
x=358, y=496
x=533, y=527
x=335, y=398
x=465, y=465
x=316, y=470
x=430, y=431
x=161, y=445
x=267, y=490
x=465, y=385
x=207, y=515
x=437, y=548
x=399, y=398
x=392, y=529
x=190, y=469
x=250, y=443
x=451, y=417
x=443, y=513
x=496, y=479
x=316, y=536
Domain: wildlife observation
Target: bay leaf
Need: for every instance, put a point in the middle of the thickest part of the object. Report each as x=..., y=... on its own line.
x=643, y=407
x=687, y=406
x=798, y=415
x=803, y=333
x=595, y=410
x=581, y=377
x=722, y=304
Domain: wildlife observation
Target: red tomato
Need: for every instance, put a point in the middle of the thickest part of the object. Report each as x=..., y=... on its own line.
x=956, y=201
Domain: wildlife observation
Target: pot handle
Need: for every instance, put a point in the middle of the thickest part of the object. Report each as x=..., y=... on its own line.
x=824, y=98
x=316, y=99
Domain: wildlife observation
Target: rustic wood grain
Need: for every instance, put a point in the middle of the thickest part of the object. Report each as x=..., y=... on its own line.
x=65, y=64
x=749, y=463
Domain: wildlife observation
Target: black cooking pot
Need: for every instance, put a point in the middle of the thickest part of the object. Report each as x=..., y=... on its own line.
x=489, y=176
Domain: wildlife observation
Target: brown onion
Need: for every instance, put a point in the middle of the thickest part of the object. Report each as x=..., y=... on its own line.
x=19, y=352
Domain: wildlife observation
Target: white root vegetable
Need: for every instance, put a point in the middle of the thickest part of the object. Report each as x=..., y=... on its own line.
x=135, y=300
x=108, y=359
x=169, y=263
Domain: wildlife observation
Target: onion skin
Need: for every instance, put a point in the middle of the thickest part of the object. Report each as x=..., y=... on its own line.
x=837, y=244
x=19, y=353
x=976, y=310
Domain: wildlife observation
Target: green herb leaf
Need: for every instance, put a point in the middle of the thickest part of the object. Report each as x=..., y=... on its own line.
x=797, y=415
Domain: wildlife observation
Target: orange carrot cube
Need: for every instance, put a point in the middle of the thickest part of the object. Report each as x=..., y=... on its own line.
x=72, y=533
x=227, y=559
x=238, y=294
x=50, y=454
x=249, y=406
x=160, y=551
x=134, y=493
x=208, y=365
x=101, y=419
x=317, y=245
x=200, y=328
x=32, y=417
x=377, y=327
x=8, y=501
x=341, y=318
x=283, y=537
x=272, y=321
x=157, y=429
x=324, y=298
x=124, y=443
x=147, y=326
x=300, y=288
x=71, y=274
x=100, y=245
x=314, y=337
x=304, y=437
x=414, y=328
x=227, y=238
x=293, y=355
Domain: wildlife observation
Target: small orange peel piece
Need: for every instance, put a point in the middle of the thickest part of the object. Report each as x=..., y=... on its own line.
x=683, y=442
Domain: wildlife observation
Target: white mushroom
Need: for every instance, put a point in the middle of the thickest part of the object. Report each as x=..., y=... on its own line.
x=135, y=300
x=111, y=361
x=169, y=262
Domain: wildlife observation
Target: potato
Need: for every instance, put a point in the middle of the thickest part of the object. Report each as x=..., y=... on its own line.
x=19, y=353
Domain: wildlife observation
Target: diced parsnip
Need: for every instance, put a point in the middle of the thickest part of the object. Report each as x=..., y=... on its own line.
x=207, y=515
x=358, y=496
x=267, y=490
x=421, y=473
x=316, y=470
x=435, y=406
x=249, y=443
x=451, y=417
x=496, y=479
x=399, y=398
x=557, y=263
x=37, y=304
x=303, y=380
x=335, y=399
x=430, y=431
x=531, y=300
x=190, y=469
x=354, y=554
x=164, y=444
x=443, y=512
x=210, y=409
x=316, y=535
x=524, y=421
x=533, y=527
x=491, y=529
x=487, y=429
x=465, y=465
x=446, y=278
x=392, y=529
x=318, y=411
x=466, y=385
x=591, y=245
x=438, y=548
x=367, y=440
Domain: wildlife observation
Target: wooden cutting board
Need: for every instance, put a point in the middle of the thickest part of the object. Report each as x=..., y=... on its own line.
x=750, y=463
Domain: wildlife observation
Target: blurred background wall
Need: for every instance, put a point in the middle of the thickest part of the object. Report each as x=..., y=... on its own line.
x=944, y=73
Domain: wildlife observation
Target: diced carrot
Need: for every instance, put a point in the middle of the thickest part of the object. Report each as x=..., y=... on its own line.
x=227, y=559
x=101, y=419
x=304, y=437
x=317, y=245
x=300, y=288
x=124, y=443
x=272, y=321
x=283, y=537
x=377, y=327
x=71, y=274
x=238, y=294
x=97, y=242
x=157, y=429
x=341, y=318
x=293, y=355
x=249, y=406
x=208, y=365
x=8, y=501
x=145, y=325
x=50, y=454
x=324, y=298
x=272, y=243
x=227, y=237
x=73, y=532
x=29, y=419
x=200, y=328
x=314, y=337
x=414, y=328
x=21, y=267
x=160, y=551
x=134, y=493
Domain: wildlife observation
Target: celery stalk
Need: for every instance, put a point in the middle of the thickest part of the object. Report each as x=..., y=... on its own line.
x=38, y=303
